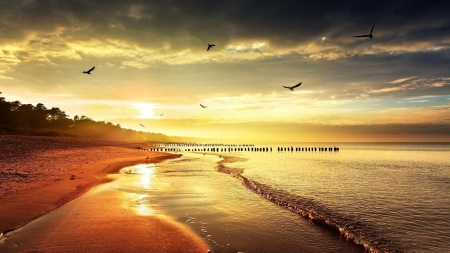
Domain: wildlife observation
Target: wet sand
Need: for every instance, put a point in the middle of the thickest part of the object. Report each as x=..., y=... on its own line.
x=40, y=174
x=100, y=222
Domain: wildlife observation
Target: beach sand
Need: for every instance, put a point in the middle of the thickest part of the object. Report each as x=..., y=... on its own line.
x=40, y=174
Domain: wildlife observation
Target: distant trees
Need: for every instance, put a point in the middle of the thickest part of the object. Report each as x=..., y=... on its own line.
x=19, y=118
x=27, y=116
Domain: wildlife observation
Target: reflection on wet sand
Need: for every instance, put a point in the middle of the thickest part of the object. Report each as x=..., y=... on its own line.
x=150, y=201
x=100, y=220
x=142, y=207
x=218, y=208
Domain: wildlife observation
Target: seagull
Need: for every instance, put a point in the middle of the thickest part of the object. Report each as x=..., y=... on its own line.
x=89, y=71
x=292, y=87
x=161, y=114
x=210, y=46
x=142, y=125
x=204, y=106
x=367, y=35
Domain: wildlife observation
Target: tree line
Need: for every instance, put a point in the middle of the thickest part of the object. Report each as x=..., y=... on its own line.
x=18, y=118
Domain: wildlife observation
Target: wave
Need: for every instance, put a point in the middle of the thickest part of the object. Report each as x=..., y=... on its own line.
x=347, y=226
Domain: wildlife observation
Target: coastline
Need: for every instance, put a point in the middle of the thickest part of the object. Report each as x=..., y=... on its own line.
x=41, y=174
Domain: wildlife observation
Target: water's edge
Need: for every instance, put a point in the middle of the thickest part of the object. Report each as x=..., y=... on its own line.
x=317, y=213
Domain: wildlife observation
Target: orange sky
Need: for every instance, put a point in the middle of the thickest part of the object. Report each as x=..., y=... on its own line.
x=151, y=59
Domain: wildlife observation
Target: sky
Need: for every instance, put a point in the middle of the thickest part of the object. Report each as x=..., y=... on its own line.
x=150, y=59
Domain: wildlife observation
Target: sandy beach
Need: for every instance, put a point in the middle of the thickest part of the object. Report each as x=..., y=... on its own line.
x=40, y=174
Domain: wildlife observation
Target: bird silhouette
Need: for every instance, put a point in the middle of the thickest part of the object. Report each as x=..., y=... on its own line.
x=367, y=35
x=210, y=46
x=89, y=71
x=142, y=125
x=161, y=114
x=204, y=106
x=292, y=87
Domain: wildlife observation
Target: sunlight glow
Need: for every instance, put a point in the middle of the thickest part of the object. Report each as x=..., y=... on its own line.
x=146, y=110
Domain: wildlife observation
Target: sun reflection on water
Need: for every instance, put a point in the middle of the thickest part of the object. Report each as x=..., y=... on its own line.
x=142, y=206
x=147, y=171
x=143, y=182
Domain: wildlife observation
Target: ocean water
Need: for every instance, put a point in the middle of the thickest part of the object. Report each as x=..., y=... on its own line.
x=367, y=197
x=220, y=209
x=382, y=197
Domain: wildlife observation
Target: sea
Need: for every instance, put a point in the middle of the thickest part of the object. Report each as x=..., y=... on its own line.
x=366, y=197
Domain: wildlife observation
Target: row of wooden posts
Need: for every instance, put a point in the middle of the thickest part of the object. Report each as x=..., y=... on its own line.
x=246, y=149
x=308, y=149
x=203, y=145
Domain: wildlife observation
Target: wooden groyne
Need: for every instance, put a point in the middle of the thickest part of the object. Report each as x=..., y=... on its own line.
x=300, y=149
x=214, y=147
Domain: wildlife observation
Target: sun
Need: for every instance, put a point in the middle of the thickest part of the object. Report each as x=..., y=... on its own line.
x=146, y=111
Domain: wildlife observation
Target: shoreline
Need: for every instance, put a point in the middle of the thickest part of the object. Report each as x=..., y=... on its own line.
x=41, y=174
x=20, y=208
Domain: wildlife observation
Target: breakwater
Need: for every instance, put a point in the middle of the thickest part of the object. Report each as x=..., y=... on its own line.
x=219, y=147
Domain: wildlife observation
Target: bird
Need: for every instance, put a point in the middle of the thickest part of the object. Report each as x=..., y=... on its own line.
x=293, y=87
x=204, y=106
x=89, y=71
x=161, y=114
x=210, y=46
x=367, y=35
x=142, y=125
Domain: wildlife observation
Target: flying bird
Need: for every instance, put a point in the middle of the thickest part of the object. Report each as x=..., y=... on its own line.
x=210, y=46
x=161, y=114
x=89, y=71
x=367, y=35
x=204, y=106
x=142, y=125
x=292, y=87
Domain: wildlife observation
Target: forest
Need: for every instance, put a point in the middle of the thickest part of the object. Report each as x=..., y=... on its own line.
x=26, y=119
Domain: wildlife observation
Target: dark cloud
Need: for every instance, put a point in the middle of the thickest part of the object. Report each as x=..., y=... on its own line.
x=189, y=23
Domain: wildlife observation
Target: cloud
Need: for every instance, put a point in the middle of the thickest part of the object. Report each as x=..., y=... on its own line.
x=236, y=27
x=414, y=83
x=401, y=80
